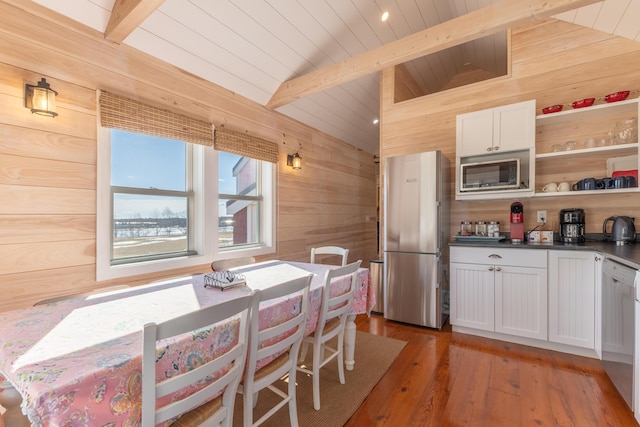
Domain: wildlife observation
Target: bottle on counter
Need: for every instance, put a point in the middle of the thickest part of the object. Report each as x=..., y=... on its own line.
x=465, y=228
x=481, y=228
x=493, y=229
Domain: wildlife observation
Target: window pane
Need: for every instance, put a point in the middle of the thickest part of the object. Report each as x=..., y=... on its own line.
x=143, y=161
x=238, y=222
x=237, y=174
x=146, y=225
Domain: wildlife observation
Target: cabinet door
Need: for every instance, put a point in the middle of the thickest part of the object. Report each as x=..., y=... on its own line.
x=572, y=298
x=514, y=126
x=521, y=301
x=472, y=295
x=474, y=133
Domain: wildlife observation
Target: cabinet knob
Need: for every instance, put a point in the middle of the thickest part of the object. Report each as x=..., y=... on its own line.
x=498, y=269
x=496, y=148
x=490, y=268
x=495, y=256
x=488, y=148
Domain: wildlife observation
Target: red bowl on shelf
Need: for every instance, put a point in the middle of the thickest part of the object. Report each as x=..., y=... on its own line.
x=552, y=109
x=587, y=102
x=617, y=96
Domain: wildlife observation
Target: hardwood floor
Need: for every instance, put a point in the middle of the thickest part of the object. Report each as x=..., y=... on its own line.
x=449, y=379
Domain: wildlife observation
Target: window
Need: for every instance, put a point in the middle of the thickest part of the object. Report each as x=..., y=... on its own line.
x=239, y=201
x=157, y=202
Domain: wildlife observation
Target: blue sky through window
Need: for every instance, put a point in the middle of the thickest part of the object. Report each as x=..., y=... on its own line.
x=144, y=161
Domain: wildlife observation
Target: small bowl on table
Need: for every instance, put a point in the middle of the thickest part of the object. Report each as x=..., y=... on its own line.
x=617, y=96
x=587, y=102
x=552, y=109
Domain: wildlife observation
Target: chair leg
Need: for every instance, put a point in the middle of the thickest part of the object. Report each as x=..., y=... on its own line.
x=317, y=349
x=249, y=403
x=340, y=357
x=303, y=351
x=293, y=409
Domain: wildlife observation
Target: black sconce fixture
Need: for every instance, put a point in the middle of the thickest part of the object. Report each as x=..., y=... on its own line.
x=40, y=99
x=295, y=161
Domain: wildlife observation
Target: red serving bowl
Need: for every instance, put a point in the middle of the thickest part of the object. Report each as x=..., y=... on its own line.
x=587, y=102
x=552, y=109
x=617, y=96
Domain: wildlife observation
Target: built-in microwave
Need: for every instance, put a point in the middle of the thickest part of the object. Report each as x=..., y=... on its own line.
x=497, y=174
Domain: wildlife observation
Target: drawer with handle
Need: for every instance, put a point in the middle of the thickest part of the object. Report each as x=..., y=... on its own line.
x=500, y=256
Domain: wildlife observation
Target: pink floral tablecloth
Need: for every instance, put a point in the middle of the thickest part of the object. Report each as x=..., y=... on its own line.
x=78, y=362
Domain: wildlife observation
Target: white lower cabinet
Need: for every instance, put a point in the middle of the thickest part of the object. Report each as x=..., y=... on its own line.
x=472, y=295
x=499, y=290
x=572, y=298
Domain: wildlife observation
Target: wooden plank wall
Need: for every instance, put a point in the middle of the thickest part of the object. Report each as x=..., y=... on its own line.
x=554, y=62
x=48, y=166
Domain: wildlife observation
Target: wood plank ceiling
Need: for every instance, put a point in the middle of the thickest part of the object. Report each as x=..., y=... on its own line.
x=252, y=46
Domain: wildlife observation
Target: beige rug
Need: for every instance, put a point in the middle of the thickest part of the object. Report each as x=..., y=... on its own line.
x=374, y=355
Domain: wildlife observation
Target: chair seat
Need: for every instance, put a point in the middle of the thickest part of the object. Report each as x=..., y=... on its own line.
x=199, y=415
x=273, y=366
x=330, y=326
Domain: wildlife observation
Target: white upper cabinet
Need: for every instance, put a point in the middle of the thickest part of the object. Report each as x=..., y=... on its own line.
x=495, y=130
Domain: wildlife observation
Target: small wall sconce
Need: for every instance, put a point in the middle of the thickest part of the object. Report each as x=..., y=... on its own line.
x=295, y=161
x=40, y=99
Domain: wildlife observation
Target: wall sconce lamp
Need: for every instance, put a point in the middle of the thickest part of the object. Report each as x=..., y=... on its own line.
x=40, y=99
x=295, y=161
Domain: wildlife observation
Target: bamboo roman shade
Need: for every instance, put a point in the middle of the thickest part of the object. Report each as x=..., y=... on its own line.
x=245, y=145
x=122, y=113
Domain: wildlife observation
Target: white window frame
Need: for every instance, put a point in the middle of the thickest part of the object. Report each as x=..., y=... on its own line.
x=205, y=223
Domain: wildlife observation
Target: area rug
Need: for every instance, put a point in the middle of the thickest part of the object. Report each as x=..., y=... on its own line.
x=374, y=355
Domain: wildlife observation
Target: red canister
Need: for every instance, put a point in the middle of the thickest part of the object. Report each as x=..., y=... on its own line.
x=517, y=222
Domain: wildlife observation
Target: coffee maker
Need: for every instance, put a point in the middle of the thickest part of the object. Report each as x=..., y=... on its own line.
x=572, y=225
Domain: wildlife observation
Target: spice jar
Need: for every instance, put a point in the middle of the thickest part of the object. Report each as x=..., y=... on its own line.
x=493, y=229
x=481, y=228
x=465, y=228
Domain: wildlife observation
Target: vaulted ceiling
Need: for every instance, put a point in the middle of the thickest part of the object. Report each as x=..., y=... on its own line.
x=269, y=50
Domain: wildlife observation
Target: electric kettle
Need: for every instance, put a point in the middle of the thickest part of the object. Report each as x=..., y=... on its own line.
x=622, y=229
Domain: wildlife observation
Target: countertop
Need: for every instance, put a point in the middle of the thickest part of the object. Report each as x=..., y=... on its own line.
x=628, y=254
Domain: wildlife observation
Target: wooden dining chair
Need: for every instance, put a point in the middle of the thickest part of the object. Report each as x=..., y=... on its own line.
x=225, y=264
x=266, y=344
x=330, y=250
x=209, y=405
x=334, y=310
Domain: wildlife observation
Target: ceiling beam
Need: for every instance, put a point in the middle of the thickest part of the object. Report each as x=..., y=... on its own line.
x=474, y=25
x=126, y=16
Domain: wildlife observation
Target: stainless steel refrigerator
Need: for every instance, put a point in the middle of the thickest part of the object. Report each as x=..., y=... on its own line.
x=415, y=230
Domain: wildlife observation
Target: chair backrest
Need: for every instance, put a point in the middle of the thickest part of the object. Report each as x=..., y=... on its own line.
x=227, y=367
x=225, y=264
x=263, y=342
x=337, y=302
x=330, y=250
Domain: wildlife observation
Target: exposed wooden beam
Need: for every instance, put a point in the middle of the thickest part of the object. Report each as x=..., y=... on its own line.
x=480, y=23
x=126, y=16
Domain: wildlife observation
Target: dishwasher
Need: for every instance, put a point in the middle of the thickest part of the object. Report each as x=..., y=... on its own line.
x=618, y=326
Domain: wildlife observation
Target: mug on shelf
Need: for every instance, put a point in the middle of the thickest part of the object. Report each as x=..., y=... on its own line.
x=585, y=184
x=550, y=187
x=605, y=182
x=564, y=186
x=618, y=182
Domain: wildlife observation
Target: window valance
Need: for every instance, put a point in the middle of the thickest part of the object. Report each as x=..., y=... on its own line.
x=245, y=145
x=126, y=114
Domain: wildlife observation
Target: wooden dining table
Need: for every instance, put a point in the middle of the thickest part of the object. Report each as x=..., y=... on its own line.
x=77, y=362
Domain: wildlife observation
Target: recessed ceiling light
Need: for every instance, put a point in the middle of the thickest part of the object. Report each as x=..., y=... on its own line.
x=385, y=16
x=376, y=121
